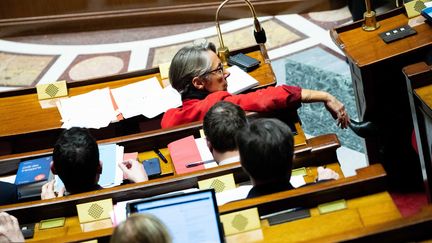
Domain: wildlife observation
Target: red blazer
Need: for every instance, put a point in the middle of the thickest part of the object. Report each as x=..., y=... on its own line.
x=262, y=100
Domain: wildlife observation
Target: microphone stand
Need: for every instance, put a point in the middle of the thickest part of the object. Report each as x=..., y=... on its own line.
x=259, y=33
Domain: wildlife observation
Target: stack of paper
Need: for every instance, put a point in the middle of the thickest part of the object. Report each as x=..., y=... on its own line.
x=146, y=97
x=110, y=155
x=98, y=108
x=92, y=110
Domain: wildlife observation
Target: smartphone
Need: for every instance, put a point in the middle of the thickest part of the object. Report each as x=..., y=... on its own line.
x=152, y=167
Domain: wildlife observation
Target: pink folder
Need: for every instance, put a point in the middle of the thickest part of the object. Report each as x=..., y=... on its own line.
x=185, y=151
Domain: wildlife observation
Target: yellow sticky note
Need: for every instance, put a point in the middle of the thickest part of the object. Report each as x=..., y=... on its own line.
x=52, y=223
x=241, y=221
x=52, y=90
x=202, y=134
x=164, y=70
x=219, y=184
x=332, y=206
x=92, y=211
x=299, y=172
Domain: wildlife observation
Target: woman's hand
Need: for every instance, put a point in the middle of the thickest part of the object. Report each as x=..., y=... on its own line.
x=133, y=170
x=333, y=105
x=337, y=110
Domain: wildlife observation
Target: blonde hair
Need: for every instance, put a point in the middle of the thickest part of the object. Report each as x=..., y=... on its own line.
x=143, y=228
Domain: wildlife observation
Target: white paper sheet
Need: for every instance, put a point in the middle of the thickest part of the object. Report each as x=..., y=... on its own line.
x=205, y=152
x=130, y=98
x=239, y=80
x=90, y=110
x=145, y=97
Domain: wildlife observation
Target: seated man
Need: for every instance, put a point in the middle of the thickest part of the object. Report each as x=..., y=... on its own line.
x=266, y=148
x=76, y=162
x=220, y=125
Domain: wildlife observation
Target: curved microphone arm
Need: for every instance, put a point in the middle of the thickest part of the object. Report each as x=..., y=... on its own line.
x=259, y=32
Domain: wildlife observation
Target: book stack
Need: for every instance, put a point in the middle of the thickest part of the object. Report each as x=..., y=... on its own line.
x=32, y=175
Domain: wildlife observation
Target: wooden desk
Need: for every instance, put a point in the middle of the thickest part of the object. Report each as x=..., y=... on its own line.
x=415, y=228
x=324, y=192
x=419, y=83
x=160, y=138
x=380, y=89
x=26, y=126
x=320, y=153
x=361, y=212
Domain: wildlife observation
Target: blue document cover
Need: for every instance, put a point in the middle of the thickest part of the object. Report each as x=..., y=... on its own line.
x=107, y=154
x=34, y=170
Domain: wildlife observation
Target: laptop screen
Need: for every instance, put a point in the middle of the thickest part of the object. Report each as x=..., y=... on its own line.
x=189, y=217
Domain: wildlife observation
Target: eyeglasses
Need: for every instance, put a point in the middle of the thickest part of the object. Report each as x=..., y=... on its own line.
x=219, y=70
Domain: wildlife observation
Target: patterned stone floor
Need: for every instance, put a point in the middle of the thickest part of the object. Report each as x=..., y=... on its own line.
x=300, y=47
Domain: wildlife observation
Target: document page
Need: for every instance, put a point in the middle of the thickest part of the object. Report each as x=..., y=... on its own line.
x=239, y=80
x=90, y=110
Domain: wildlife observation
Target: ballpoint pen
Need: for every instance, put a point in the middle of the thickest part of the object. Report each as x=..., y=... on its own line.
x=161, y=156
x=193, y=164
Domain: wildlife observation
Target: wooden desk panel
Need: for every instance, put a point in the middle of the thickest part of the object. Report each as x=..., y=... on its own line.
x=380, y=90
x=72, y=230
x=29, y=211
x=360, y=212
x=415, y=228
x=419, y=84
x=160, y=138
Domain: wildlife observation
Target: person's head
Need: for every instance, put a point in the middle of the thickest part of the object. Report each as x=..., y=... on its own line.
x=141, y=228
x=221, y=123
x=76, y=160
x=197, y=67
x=266, y=148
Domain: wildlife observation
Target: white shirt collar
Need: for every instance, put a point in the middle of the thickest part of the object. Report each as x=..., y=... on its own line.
x=230, y=160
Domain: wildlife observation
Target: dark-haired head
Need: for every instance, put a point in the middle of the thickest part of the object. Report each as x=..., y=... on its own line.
x=76, y=160
x=266, y=148
x=221, y=124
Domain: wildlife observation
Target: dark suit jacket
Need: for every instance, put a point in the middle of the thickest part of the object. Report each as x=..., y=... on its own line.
x=8, y=193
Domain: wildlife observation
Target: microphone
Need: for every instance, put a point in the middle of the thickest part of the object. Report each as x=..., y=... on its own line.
x=259, y=33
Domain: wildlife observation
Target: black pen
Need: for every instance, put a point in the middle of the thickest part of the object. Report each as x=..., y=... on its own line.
x=160, y=155
x=193, y=164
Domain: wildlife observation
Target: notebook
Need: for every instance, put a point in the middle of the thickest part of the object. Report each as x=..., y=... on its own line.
x=189, y=217
x=239, y=80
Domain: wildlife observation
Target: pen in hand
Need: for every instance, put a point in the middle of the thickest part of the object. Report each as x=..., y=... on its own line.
x=161, y=156
x=193, y=164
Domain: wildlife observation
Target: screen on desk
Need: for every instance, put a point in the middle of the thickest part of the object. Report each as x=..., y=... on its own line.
x=189, y=217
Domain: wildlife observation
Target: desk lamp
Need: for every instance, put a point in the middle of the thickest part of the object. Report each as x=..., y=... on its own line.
x=259, y=34
x=370, y=23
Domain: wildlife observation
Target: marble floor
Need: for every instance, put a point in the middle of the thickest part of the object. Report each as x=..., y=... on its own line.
x=300, y=48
